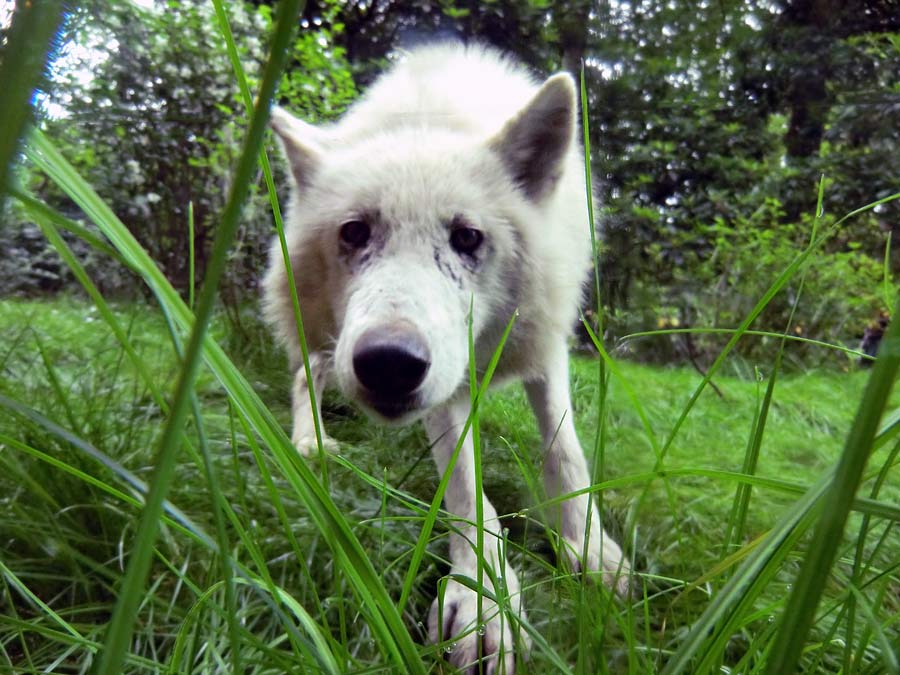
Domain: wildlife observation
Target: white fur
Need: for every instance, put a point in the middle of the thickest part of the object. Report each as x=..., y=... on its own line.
x=449, y=135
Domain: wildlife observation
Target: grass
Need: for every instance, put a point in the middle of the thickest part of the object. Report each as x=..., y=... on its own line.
x=66, y=538
x=156, y=519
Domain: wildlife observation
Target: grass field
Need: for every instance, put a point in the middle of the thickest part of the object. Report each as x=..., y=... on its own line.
x=84, y=424
x=154, y=517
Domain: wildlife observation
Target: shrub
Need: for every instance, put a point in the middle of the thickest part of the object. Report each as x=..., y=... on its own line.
x=717, y=285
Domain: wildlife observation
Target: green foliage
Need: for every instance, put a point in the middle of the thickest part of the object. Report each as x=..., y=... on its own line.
x=699, y=121
x=716, y=285
x=708, y=151
x=157, y=123
x=699, y=113
x=317, y=85
x=157, y=144
x=31, y=264
x=696, y=115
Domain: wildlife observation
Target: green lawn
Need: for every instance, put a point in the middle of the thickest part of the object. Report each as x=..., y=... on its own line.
x=81, y=424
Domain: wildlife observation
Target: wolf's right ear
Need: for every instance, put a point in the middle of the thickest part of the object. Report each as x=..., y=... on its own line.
x=302, y=144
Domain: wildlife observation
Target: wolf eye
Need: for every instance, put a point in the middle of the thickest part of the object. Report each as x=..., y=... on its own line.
x=355, y=233
x=466, y=240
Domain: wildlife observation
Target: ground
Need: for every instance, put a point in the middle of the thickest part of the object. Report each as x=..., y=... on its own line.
x=77, y=404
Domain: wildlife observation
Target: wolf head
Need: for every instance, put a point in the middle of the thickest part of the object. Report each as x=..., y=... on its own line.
x=410, y=231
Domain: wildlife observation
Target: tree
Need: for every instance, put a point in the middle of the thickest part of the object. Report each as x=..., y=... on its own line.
x=705, y=118
x=154, y=119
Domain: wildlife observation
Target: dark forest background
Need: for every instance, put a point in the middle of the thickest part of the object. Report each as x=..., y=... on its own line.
x=711, y=124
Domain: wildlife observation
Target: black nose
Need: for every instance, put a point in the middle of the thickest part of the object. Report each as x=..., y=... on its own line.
x=391, y=362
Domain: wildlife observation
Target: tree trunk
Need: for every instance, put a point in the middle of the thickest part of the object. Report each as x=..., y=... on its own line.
x=809, y=40
x=573, y=34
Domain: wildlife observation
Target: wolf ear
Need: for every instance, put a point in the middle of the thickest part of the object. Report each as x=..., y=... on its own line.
x=301, y=143
x=534, y=143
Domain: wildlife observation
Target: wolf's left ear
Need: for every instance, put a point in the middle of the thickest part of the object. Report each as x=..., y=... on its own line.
x=301, y=142
x=534, y=143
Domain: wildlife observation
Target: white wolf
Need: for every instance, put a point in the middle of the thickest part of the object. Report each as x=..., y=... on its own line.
x=455, y=182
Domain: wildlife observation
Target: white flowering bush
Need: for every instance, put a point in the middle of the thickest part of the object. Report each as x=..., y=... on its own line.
x=145, y=103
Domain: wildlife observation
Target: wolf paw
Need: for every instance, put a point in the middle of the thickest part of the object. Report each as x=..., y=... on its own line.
x=306, y=443
x=453, y=620
x=603, y=556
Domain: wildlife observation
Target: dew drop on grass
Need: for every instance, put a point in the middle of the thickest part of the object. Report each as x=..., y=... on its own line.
x=450, y=647
x=481, y=629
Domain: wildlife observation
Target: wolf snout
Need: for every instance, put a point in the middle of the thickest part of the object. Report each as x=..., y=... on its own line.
x=390, y=363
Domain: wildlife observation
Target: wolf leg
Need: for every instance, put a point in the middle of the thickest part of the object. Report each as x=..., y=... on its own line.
x=454, y=615
x=566, y=471
x=303, y=435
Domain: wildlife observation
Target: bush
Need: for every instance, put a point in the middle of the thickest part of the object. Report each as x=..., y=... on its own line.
x=30, y=266
x=836, y=293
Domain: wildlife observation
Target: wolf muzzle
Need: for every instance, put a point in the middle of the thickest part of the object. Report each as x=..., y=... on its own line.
x=390, y=362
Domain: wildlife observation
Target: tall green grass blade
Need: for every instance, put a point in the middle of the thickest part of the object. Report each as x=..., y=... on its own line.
x=740, y=592
x=880, y=509
x=375, y=603
x=738, y=519
x=479, y=486
x=175, y=517
x=56, y=385
x=233, y=55
x=431, y=517
x=855, y=353
x=589, y=189
x=890, y=427
x=62, y=637
x=212, y=481
x=22, y=474
x=277, y=502
x=598, y=455
x=34, y=600
x=124, y=614
x=317, y=651
x=889, y=659
x=191, y=274
x=882, y=600
x=860, y=562
x=217, y=500
x=58, y=243
x=41, y=213
x=888, y=280
x=28, y=44
x=47, y=223
x=804, y=599
x=605, y=368
x=244, y=87
x=799, y=261
x=615, y=371
x=741, y=504
x=629, y=390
